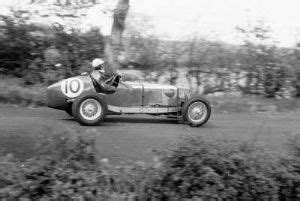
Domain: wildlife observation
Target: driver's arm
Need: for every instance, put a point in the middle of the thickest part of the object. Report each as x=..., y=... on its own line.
x=106, y=83
x=107, y=87
x=109, y=80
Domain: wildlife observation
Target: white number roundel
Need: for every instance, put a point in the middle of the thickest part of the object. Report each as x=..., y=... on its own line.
x=72, y=87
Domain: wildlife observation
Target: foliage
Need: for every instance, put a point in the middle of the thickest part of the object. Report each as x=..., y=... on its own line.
x=258, y=66
x=15, y=92
x=38, y=56
x=296, y=61
x=225, y=170
x=72, y=13
x=251, y=103
x=16, y=45
x=66, y=167
x=266, y=73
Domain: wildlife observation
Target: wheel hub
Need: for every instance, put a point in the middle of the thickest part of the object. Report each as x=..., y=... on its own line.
x=197, y=112
x=90, y=109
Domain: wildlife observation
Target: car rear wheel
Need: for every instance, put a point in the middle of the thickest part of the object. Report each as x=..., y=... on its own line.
x=89, y=110
x=196, y=111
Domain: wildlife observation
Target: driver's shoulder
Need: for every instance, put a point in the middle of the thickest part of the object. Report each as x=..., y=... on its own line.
x=96, y=75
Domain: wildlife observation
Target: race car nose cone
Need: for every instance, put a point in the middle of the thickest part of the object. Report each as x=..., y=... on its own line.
x=55, y=98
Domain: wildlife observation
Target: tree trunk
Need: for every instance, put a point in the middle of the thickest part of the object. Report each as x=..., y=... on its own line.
x=114, y=49
x=114, y=46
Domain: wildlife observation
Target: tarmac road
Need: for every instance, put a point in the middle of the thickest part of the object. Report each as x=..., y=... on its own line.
x=134, y=137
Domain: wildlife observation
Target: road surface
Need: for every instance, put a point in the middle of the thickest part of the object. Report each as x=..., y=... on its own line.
x=134, y=137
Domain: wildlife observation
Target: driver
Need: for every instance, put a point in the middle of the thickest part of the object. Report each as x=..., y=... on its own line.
x=101, y=77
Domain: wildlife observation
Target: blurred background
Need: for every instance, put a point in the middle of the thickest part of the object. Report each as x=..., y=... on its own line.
x=243, y=56
x=214, y=48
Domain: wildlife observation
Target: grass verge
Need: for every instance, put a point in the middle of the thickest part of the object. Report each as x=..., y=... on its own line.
x=248, y=103
x=12, y=91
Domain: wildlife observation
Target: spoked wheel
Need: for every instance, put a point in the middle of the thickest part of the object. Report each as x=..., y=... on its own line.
x=89, y=110
x=196, y=111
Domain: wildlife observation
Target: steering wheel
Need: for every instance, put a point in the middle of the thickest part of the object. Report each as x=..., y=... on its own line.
x=114, y=80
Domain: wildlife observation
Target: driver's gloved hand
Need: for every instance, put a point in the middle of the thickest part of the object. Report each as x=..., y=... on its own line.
x=108, y=81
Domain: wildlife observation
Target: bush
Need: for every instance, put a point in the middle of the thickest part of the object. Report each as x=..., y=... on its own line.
x=223, y=170
x=227, y=103
x=32, y=52
x=50, y=176
x=13, y=91
x=66, y=168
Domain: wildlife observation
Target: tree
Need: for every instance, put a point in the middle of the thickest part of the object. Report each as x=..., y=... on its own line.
x=141, y=45
x=297, y=70
x=265, y=72
x=17, y=44
x=114, y=45
x=37, y=55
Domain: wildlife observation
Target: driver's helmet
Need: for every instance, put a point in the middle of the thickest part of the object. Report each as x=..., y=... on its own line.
x=97, y=64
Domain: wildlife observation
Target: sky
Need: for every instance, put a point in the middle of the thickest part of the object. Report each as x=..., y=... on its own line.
x=211, y=19
x=217, y=19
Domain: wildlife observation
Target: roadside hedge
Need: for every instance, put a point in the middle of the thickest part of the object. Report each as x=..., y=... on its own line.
x=67, y=168
x=226, y=170
x=14, y=92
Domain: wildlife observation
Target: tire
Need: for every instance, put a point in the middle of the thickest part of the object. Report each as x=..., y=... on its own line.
x=69, y=110
x=192, y=108
x=89, y=110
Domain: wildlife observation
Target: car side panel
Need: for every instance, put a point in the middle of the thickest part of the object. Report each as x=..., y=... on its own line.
x=141, y=94
x=161, y=95
x=152, y=97
x=126, y=95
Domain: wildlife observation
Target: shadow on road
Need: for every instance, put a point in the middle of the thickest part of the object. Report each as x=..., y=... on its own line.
x=140, y=120
x=115, y=120
x=129, y=119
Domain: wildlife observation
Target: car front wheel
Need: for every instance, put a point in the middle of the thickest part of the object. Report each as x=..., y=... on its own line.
x=196, y=111
x=89, y=110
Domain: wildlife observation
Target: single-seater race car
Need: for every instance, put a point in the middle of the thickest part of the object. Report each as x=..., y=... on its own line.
x=83, y=98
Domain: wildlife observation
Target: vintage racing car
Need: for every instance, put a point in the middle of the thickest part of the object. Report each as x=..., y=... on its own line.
x=80, y=97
